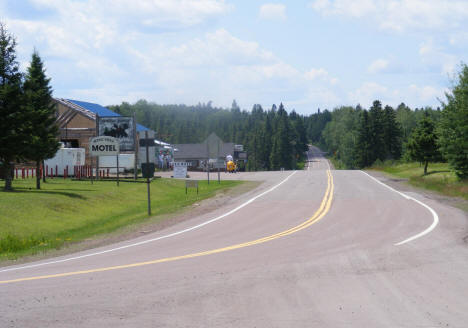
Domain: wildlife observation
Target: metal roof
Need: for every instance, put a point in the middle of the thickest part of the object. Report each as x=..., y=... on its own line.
x=101, y=111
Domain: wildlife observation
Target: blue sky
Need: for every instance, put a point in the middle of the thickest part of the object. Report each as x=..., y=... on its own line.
x=307, y=54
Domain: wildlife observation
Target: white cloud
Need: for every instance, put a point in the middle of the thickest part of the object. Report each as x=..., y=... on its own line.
x=320, y=74
x=433, y=56
x=367, y=93
x=151, y=13
x=425, y=93
x=378, y=66
x=273, y=11
x=399, y=15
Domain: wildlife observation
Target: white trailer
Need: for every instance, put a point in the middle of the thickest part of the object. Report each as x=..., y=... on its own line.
x=66, y=157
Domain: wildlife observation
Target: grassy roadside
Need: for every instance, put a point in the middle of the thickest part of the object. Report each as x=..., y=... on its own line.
x=64, y=211
x=439, y=178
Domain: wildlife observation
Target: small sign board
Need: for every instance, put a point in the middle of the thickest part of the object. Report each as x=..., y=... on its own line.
x=186, y=164
x=220, y=164
x=180, y=172
x=191, y=184
x=104, y=146
x=147, y=169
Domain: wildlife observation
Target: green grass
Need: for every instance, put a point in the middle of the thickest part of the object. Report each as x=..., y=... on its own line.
x=65, y=211
x=439, y=177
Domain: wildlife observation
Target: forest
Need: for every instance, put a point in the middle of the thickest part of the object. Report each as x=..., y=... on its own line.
x=353, y=136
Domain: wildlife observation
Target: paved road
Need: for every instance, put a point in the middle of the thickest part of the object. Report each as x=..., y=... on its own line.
x=312, y=248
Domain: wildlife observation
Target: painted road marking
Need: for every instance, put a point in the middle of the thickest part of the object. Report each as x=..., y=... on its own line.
x=320, y=213
x=434, y=214
x=157, y=238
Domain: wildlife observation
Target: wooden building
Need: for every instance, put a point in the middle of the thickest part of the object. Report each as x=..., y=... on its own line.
x=77, y=122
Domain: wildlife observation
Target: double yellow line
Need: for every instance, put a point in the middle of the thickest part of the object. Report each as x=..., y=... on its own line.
x=320, y=213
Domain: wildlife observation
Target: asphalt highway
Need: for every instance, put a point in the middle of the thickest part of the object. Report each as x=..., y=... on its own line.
x=311, y=248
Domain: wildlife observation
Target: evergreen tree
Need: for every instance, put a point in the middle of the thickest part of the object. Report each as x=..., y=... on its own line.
x=13, y=122
x=284, y=139
x=391, y=134
x=41, y=113
x=453, y=127
x=376, y=132
x=363, y=144
x=422, y=145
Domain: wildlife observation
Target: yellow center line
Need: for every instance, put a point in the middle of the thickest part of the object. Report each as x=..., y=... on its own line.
x=320, y=213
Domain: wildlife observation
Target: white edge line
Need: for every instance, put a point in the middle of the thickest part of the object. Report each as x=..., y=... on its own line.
x=157, y=238
x=434, y=214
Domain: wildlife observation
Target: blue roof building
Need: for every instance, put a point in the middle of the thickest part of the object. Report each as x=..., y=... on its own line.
x=101, y=111
x=77, y=122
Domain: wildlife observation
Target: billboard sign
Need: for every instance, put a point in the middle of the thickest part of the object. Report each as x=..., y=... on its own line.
x=104, y=146
x=119, y=127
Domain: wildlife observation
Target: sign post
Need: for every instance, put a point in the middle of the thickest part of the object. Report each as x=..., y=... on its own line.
x=147, y=169
x=213, y=148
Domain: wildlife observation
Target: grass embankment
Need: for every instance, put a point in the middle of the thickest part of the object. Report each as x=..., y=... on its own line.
x=65, y=211
x=439, y=178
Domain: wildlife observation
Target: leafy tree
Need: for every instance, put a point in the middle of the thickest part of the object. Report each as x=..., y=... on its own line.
x=422, y=145
x=41, y=113
x=13, y=124
x=453, y=127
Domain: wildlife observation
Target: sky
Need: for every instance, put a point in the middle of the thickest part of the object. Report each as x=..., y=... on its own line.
x=306, y=54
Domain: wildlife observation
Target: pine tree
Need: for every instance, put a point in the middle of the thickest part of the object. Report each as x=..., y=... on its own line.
x=422, y=145
x=41, y=112
x=453, y=127
x=13, y=122
x=391, y=134
x=376, y=132
x=363, y=144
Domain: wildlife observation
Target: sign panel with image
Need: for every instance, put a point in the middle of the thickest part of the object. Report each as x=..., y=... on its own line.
x=119, y=127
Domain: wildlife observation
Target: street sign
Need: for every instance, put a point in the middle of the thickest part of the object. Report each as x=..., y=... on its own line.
x=104, y=146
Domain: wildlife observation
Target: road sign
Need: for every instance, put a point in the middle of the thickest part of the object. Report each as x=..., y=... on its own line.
x=104, y=146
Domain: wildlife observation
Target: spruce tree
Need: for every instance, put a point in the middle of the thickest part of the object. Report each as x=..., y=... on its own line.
x=422, y=145
x=13, y=122
x=453, y=127
x=41, y=112
x=363, y=144
x=391, y=134
x=376, y=132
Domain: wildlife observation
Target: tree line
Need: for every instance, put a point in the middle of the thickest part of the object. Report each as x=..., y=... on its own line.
x=273, y=138
x=27, y=126
x=356, y=137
